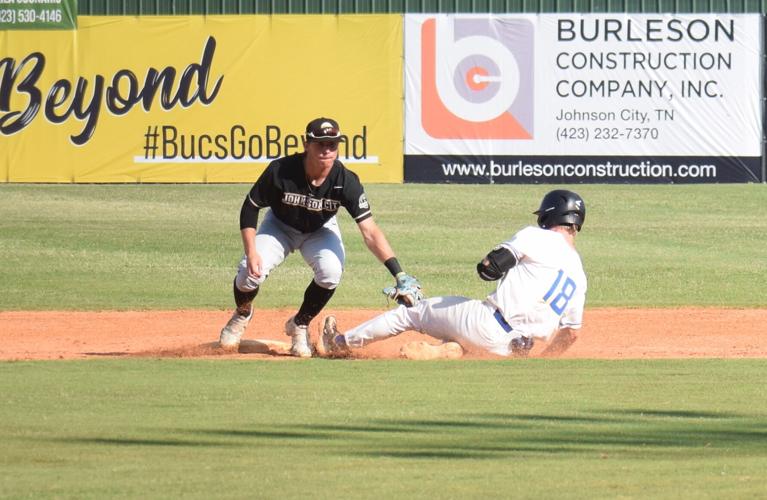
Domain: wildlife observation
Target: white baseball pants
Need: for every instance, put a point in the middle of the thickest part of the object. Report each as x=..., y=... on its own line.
x=458, y=319
x=323, y=250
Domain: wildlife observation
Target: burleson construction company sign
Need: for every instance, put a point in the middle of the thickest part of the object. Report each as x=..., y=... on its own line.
x=583, y=98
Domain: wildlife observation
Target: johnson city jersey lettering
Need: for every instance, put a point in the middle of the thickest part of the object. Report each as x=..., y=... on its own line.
x=546, y=290
x=283, y=187
x=301, y=200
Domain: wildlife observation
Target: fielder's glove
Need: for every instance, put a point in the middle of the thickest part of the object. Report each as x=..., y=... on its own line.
x=407, y=292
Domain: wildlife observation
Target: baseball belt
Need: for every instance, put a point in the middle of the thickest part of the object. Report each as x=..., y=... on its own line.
x=501, y=321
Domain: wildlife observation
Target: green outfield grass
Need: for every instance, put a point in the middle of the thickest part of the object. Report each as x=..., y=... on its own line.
x=162, y=428
x=383, y=429
x=92, y=247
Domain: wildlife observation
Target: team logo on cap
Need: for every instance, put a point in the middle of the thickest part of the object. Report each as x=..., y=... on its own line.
x=323, y=129
x=327, y=128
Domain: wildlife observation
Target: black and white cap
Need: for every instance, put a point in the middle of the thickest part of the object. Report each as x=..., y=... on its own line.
x=323, y=129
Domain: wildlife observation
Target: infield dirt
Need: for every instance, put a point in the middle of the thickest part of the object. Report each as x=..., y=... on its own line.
x=608, y=333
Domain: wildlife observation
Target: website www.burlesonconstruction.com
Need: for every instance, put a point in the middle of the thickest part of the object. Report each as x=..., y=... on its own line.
x=632, y=170
x=573, y=169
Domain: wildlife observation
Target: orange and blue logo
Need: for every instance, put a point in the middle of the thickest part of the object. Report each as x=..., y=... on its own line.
x=477, y=78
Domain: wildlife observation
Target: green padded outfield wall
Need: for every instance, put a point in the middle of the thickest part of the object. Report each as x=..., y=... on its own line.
x=181, y=7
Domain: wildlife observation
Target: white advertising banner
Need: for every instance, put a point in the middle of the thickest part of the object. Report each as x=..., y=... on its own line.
x=501, y=97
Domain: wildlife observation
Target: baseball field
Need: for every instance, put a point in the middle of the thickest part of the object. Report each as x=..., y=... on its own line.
x=111, y=385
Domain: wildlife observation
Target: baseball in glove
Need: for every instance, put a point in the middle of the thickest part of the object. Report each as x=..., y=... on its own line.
x=406, y=292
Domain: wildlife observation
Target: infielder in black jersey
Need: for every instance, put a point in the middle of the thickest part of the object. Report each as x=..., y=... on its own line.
x=304, y=192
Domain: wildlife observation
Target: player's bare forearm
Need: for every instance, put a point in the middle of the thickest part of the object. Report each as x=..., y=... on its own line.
x=562, y=340
x=248, y=239
x=375, y=240
x=249, y=245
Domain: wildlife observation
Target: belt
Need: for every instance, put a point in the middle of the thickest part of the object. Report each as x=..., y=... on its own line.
x=501, y=321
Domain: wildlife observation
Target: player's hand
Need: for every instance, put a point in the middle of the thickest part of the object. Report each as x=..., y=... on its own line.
x=254, y=265
x=407, y=292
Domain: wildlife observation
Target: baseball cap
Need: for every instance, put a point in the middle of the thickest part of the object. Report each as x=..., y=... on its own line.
x=323, y=129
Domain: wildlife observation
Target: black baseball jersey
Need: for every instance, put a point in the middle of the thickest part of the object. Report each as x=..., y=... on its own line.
x=284, y=188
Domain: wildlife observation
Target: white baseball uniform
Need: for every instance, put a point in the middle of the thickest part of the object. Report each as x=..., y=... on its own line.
x=544, y=291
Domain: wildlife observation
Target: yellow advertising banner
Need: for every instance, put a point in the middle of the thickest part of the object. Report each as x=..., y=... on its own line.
x=197, y=98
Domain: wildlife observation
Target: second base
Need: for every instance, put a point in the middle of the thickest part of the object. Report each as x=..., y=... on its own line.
x=421, y=350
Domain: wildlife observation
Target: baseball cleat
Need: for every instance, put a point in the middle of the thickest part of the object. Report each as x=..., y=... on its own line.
x=232, y=332
x=300, y=339
x=332, y=344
